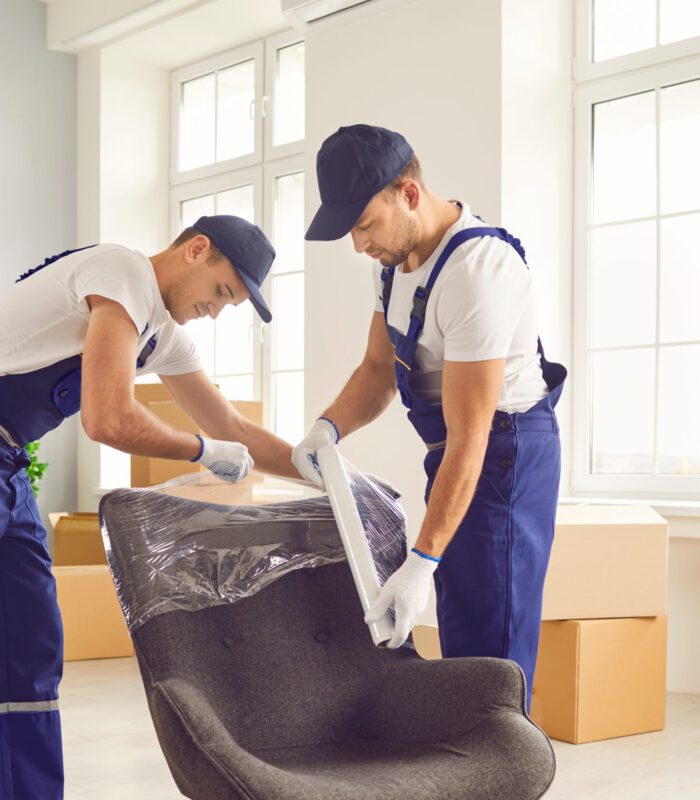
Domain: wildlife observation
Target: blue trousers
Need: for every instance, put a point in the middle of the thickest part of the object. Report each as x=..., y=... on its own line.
x=31, y=644
x=490, y=581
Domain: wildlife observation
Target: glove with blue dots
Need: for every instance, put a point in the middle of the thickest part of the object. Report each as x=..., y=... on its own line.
x=229, y=461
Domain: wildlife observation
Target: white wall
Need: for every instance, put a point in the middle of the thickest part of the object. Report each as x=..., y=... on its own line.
x=37, y=186
x=135, y=152
x=683, y=606
x=124, y=130
x=537, y=153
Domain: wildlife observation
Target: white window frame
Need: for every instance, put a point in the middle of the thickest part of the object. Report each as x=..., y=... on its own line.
x=585, y=69
x=273, y=45
x=230, y=58
x=260, y=168
x=652, y=77
x=212, y=185
x=274, y=170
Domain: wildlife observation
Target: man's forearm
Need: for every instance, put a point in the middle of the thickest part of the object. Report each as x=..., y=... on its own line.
x=136, y=430
x=269, y=452
x=365, y=396
x=451, y=496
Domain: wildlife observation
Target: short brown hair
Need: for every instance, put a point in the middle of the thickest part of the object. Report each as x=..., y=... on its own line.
x=411, y=172
x=190, y=233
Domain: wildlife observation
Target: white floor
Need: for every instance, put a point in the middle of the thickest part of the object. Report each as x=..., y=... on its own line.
x=111, y=751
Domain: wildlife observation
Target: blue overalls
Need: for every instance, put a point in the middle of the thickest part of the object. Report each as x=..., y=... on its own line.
x=489, y=583
x=31, y=633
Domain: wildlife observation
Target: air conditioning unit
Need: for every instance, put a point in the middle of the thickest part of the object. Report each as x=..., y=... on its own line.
x=312, y=15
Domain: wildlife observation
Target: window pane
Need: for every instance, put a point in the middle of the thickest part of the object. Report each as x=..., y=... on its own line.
x=239, y=387
x=623, y=26
x=680, y=279
x=288, y=393
x=192, y=210
x=235, y=130
x=623, y=262
x=289, y=223
x=234, y=340
x=197, y=122
x=201, y=331
x=289, y=95
x=622, y=412
x=680, y=19
x=680, y=154
x=624, y=159
x=679, y=390
x=115, y=468
x=288, y=322
x=238, y=201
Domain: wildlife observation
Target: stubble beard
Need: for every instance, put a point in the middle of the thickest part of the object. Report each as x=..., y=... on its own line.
x=405, y=241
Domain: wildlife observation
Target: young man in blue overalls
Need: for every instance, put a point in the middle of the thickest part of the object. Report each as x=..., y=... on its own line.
x=74, y=333
x=454, y=330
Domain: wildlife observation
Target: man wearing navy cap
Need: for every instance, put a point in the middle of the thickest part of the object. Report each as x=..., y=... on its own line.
x=455, y=332
x=74, y=333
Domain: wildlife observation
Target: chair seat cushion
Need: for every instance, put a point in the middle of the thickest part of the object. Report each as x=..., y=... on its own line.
x=451, y=770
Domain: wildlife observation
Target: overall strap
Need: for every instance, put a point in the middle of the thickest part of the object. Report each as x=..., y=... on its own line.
x=388, y=282
x=146, y=351
x=51, y=260
x=422, y=293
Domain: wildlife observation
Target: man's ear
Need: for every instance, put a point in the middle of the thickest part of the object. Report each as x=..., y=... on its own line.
x=195, y=247
x=411, y=193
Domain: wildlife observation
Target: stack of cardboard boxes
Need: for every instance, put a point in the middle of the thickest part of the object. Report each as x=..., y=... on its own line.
x=601, y=667
x=93, y=625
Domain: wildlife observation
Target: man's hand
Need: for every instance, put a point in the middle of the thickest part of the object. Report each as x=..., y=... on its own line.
x=304, y=454
x=407, y=590
x=229, y=461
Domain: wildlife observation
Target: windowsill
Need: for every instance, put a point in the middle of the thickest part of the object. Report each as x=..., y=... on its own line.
x=670, y=509
x=667, y=508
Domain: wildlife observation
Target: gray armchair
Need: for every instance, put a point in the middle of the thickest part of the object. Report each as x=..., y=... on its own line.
x=281, y=695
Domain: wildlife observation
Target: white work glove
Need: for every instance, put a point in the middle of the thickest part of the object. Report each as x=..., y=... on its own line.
x=407, y=590
x=304, y=454
x=229, y=461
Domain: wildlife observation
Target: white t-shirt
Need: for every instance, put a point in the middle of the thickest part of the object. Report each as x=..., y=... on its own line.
x=482, y=307
x=44, y=318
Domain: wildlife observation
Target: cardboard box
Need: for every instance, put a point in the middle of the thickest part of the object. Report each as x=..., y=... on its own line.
x=147, y=471
x=599, y=679
x=257, y=489
x=427, y=642
x=161, y=470
x=93, y=624
x=607, y=561
x=146, y=393
x=77, y=539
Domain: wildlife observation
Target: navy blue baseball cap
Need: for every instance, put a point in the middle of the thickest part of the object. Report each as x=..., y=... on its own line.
x=247, y=248
x=352, y=166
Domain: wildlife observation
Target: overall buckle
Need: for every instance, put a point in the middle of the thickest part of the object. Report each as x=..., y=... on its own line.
x=420, y=301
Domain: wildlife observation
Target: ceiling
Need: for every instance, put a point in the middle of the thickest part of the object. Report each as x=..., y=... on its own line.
x=210, y=28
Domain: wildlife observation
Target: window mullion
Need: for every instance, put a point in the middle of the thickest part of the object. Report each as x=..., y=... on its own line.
x=657, y=349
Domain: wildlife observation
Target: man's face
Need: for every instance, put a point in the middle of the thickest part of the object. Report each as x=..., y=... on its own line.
x=387, y=230
x=203, y=288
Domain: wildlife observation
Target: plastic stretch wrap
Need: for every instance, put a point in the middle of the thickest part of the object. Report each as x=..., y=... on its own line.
x=171, y=553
